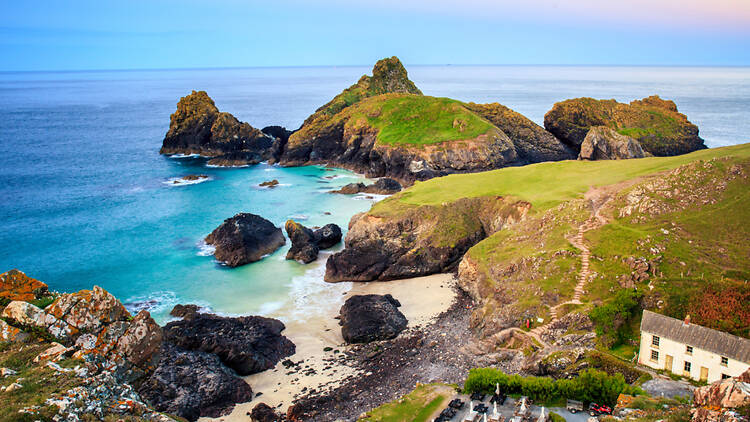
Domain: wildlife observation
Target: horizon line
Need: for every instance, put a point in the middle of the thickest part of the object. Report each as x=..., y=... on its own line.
x=162, y=69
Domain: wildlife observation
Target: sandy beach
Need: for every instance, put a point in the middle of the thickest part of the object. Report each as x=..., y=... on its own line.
x=314, y=331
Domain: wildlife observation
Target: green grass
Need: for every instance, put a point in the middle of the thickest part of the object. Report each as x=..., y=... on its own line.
x=416, y=406
x=544, y=184
x=407, y=119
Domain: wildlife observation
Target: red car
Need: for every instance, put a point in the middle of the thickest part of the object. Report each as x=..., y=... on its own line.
x=599, y=409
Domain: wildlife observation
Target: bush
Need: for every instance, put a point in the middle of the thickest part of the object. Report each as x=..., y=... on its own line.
x=613, y=365
x=591, y=385
x=610, y=320
x=554, y=417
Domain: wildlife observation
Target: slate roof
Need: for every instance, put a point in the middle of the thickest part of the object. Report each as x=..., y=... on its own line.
x=715, y=341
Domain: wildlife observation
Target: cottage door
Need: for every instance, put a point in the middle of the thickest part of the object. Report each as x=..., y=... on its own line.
x=668, y=363
x=704, y=373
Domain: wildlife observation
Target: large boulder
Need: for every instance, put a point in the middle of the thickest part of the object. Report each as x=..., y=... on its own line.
x=532, y=143
x=86, y=310
x=245, y=238
x=191, y=384
x=24, y=313
x=306, y=243
x=366, y=318
x=247, y=344
x=197, y=127
x=11, y=333
x=604, y=143
x=15, y=285
x=264, y=413
x=655, y=123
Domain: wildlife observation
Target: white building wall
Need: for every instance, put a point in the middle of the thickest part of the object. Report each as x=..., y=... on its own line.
x=699, y=358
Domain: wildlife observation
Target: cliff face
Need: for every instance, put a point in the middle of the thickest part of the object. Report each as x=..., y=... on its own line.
x=197, y=127
x=655, y=123
x=419, y=241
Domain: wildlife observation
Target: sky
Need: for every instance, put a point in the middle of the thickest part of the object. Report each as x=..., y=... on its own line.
x=156, y=34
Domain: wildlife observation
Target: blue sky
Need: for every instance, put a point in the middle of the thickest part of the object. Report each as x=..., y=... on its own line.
x=136, y=34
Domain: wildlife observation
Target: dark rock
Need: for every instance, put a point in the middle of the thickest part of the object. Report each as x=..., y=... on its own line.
x=603, y=143
x=247, y=344
x=184, y=311
x=264, y=413
x=195, y=177
x=366, y=318
x=270, y=183
x=654, y=123
x=191, y=384
x=245, y=238
x=533, y=144
x=279, y=132
x=197, y=127
x=306, y=243
x=328, y=236
x=383, y=186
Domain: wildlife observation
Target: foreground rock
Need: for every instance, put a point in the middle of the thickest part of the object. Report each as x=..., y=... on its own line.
x=306, y=243
x=15, y=285
x=264, y=413
x=366, y=318
x=245, y=238
x=604, y=143
x=415, y=243
x=197, y=127
x=192, y=384
x=383, y=186
x=722, y=400
x=248, y=344
x=654, y=123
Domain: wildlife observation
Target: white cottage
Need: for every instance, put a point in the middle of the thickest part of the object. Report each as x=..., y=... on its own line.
x=691, y=350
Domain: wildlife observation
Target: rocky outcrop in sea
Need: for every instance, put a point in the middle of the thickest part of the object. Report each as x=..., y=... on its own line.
x=382, y=186
x=245, y=238
x=306, y=243
x=198, y=127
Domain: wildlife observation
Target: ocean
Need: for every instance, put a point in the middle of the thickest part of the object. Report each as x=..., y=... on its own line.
x=86, y=198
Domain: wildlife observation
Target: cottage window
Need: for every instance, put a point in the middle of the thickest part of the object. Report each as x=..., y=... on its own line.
x=655, y=341
x=688, y=350
x=724, y=361
x=654, y=355
x=687, y=367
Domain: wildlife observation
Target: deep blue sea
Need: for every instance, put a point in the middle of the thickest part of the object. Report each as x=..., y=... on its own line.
x=84, y=198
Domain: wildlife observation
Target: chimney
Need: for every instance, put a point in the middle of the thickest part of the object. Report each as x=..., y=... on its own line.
x=687, y=320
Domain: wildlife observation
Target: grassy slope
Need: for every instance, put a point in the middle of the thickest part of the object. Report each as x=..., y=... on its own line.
x=416, y=406
x=545, y=185
x=417, y=120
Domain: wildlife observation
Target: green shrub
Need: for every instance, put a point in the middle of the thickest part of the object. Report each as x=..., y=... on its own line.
x=613, y=365
x=610, y=320
x=591, y=385
x=554, y=417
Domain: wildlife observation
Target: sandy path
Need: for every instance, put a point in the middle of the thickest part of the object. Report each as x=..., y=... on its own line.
x=422, y=299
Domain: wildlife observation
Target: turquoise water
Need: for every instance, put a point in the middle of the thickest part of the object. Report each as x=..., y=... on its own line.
x=82, y=184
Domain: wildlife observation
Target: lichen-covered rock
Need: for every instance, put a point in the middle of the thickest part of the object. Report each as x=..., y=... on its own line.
x=245, y=238
x=247, y=344
x=604, y=143
x=306, y=243
x=366, y=318
x=15, y=285
x=420, y=240
x=197, y=127
x=11, y=333
x=88, y=310
x=52, y=353
x=141, y=341
x=532, y=143
x=655, y=123
x=24, y=313
x=720, y=400
x=191, y=384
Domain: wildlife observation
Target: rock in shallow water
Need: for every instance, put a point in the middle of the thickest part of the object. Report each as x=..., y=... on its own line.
x=366, y=318
x=192, y=384
x=245, y=238
x=306, y=243
x=247, y=344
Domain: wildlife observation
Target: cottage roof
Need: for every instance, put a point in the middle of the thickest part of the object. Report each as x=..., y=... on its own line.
x=715, y=341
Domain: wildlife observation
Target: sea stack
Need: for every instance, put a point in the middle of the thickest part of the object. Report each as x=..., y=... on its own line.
x=245, y=238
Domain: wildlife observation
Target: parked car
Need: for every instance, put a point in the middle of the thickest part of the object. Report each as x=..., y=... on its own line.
x=599, y=409
x=574, y=406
